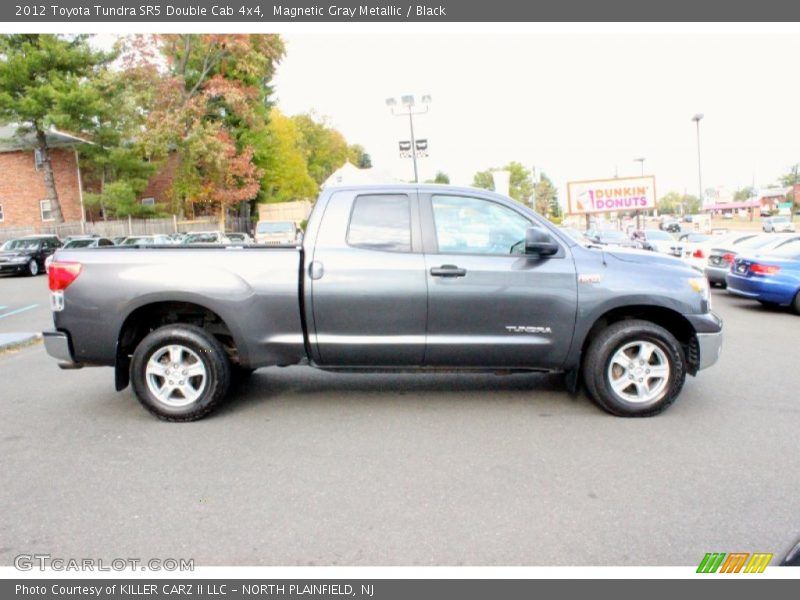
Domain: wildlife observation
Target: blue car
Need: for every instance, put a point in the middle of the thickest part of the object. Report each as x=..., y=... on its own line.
x=772, y=278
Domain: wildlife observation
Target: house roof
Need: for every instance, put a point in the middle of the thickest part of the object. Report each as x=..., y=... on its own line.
x=11, y=142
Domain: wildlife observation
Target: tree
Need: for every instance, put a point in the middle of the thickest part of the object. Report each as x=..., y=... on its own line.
x=212, y=110
x=326, y=149
x=676, y=203
x=441, y=177
x=520, y=186
x=286, y=175
x=47, y=80
x=359, y=157
x=547, y=197
x=743, y=194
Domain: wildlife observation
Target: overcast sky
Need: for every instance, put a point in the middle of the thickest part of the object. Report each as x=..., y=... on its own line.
x=578, y=106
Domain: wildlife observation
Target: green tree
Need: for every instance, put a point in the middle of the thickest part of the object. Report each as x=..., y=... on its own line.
x=286, y=175
x=743, y=194
x=441, y=177
x=48, y=80
x=547, y=197
x=359, y=157
x=520, y=187
x=675, y=203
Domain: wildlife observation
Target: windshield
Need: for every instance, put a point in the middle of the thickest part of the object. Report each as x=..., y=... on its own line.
x=696, y=238
x=780, y=219
x=132, y=241
x=22, y=245
x=79, y=243
x=655, y=234
x=757, y=242
x=279, y=227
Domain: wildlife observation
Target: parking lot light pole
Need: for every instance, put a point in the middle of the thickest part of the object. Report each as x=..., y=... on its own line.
x=640, y=160
x=409, y=105
x=697, y=118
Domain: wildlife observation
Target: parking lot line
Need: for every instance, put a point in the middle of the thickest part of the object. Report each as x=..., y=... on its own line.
x=19, y=310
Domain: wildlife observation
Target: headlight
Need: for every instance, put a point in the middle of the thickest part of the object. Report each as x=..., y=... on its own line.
x=700, y=285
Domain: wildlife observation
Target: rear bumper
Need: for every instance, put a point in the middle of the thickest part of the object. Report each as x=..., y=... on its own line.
x=760, y=288
x=716, y=274
x=57, y=344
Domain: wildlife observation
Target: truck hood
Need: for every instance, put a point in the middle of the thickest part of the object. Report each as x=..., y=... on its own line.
x=645, y=257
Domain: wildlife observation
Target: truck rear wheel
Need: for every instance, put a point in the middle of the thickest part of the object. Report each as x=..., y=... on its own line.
x=634, y=368
x=180, y=373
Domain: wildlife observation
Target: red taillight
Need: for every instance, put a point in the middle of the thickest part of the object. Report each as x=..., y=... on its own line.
x=61, y=274
x=728, y=258
x=699, y=253
x=758, y=269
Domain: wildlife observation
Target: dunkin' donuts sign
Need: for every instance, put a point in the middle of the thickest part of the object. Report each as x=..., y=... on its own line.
x=607, y=195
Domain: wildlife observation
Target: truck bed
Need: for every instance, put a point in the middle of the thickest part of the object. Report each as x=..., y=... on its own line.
x=255, y=290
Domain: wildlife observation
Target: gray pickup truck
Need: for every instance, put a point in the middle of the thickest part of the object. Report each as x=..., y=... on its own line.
x=391, y=277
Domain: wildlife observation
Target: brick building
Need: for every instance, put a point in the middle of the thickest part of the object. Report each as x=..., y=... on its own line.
x=22, y=189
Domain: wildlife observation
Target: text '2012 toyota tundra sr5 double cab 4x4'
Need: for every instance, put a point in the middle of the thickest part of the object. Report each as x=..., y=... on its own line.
x=388, y=277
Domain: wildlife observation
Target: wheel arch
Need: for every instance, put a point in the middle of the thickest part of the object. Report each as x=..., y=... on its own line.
x=150, y=316
x=668, y=318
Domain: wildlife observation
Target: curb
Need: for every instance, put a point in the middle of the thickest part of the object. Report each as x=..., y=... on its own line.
x=15, y=341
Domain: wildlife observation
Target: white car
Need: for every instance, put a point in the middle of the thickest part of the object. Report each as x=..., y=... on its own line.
x=660, y=241
x=206, y=237
x=777, y=224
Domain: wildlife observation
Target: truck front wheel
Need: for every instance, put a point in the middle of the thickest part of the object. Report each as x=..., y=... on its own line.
x=180, y=373
x=634, y=368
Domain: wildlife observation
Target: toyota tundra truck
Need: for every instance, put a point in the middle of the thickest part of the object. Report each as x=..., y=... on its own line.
x=390, y=277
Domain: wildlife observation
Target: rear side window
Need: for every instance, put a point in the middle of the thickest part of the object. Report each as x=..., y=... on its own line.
x=381, y=222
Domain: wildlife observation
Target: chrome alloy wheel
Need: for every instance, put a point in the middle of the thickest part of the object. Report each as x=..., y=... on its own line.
x=175, y=375
x=639, y=372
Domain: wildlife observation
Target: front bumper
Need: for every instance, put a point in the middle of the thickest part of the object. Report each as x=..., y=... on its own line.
x=9, y=267
x=58, y=345
x=710, y=346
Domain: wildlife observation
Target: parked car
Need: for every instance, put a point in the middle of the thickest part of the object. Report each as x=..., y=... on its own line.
x=276, y=233
x=659, y=241
x=238, y=237
x=777, y=224
x=27, y=255
x=771, y=277
x=80, y=241
x=670, y=225
x=205, y=237
x=694, y=251
x=146, y=240
x=373, y=289
x=611, y=237
x=722, y=254
x=118, y=239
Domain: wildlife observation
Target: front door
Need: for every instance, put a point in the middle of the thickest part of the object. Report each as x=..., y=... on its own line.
x=368, y=283
x=489, y=304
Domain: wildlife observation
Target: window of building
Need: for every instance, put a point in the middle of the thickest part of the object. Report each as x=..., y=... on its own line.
x=148, y=201
x=46, y=210
x=381, y=223
x=38, y=158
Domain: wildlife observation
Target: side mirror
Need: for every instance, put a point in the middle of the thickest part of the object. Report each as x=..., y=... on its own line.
x=539, y=241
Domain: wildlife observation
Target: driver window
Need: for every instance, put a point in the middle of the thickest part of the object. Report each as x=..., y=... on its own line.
x=473, y=226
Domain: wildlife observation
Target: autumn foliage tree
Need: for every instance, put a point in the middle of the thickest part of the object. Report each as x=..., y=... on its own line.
x=211, y=103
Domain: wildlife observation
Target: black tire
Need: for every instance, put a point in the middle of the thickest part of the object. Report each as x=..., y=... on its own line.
x=32, y=270
x=796, y=303
x=768, y=304
x=598, y=359
x=206, y=349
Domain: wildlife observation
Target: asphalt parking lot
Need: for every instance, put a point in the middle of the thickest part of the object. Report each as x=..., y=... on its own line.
x=304, y=467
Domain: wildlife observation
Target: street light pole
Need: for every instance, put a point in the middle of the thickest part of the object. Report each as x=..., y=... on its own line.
x=697, y=118
x=409, y=103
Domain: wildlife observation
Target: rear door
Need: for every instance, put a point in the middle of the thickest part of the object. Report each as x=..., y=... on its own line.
x=489, y=304
x=368, y=282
